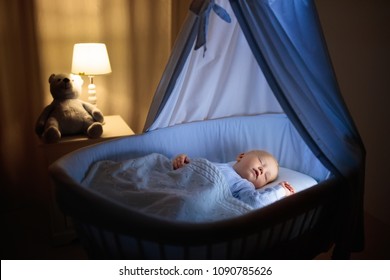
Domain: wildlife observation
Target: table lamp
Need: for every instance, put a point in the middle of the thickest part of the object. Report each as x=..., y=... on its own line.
x=90, y=59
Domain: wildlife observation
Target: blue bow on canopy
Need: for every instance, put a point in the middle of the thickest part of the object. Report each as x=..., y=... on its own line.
x=203, y=8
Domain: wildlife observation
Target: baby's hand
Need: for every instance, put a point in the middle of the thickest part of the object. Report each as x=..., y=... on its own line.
x=180, y=161
x=288, y=188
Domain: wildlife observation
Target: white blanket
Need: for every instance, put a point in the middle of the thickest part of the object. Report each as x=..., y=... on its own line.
x=195, y=193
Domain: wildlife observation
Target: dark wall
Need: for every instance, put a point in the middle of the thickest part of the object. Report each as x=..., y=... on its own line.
x=358, y=38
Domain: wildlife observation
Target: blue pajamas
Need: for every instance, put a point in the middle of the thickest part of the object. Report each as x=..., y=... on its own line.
x=245, y=191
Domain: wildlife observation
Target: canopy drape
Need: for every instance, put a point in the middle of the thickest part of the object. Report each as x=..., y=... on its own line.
x=287, y=42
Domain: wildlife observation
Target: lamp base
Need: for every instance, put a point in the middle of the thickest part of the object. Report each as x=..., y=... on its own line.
x=92, y=98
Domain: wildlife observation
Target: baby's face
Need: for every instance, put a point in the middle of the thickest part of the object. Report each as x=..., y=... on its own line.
x=257, y=167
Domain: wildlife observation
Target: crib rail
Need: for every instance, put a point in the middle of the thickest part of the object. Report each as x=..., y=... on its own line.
x=271, y=243
x=298, y=227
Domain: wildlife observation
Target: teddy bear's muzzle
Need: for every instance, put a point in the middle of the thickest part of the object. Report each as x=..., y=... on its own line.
x=66, y=83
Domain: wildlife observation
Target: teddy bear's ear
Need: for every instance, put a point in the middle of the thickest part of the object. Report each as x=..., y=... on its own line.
x=51, y=77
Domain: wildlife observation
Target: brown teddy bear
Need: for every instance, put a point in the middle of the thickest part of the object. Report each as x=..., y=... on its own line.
x=66, y=114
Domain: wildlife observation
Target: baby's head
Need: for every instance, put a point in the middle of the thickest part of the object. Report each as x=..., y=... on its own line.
x=257, y=166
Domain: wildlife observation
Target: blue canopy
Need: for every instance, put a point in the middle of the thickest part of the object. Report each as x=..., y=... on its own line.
x=286, y=40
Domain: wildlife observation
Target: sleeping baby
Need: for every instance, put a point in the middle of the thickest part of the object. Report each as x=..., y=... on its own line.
x=248, y=175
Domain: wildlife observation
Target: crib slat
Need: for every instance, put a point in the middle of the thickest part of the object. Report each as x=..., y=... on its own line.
x=197, y=252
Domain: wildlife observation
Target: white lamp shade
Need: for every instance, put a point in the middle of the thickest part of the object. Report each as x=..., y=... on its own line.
x=90, y=59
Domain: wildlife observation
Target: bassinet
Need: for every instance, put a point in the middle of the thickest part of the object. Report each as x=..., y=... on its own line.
x=213, y=110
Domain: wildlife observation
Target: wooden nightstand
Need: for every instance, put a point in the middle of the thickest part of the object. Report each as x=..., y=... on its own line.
x=114, y=127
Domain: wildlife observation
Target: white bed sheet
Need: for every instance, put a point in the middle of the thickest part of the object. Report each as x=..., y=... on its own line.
x=297, y=179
